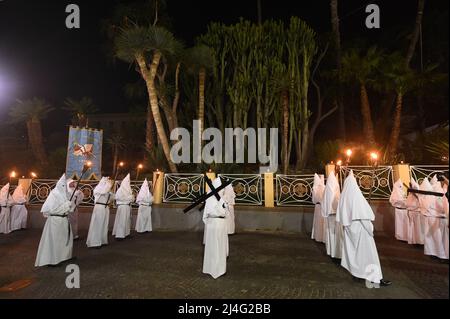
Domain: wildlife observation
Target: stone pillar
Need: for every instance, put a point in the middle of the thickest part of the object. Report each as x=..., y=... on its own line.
x=211, y=176
x=329, y=168
x=269, y=196
x=158, y=187
x=402, y=172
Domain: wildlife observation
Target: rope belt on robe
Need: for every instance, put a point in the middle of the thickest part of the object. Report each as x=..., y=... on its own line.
x=146, y=205
x=101, y=204
x=209, y=216
x=68, y=226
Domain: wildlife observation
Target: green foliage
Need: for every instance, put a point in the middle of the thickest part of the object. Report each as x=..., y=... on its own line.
x=136, y=39
x=32, y=109
x=81, y=107
x=361, y=66
x=325, y=152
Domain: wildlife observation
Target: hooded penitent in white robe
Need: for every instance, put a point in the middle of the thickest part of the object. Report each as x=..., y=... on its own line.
x=5, y=210
x=77, y=198
x=19, y=213
x=398, y=201
x=359, y=252
x=56, y=240
x=415, y=218
x=318, y=228
x=124, y=199
x=432, y=208
x=144, y=217
x=229, y=197
x=216, y=241
x=333, y=233
x=98, y=228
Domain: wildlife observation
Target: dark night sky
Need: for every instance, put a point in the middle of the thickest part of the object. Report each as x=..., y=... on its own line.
x=40, y=57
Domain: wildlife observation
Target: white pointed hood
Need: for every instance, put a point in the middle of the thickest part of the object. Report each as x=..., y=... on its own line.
x=125, y=193
x=212, y=203
x=434, y=180
x=57, y=197
x=318, y=189
x=426, y=201
x=102, y=188
x=398, y=197
x=4, y=195
x=331, y=196
x=412, y=201
x=352, y=204
x=144, y=196
x=19, y=196
x=229, y=195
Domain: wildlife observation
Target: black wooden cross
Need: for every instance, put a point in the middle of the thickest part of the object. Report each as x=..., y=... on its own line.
x=418, y=191
x=214, y=192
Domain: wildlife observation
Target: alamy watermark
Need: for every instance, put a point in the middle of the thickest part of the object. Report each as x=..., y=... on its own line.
x=73, y=279
x=226, y=149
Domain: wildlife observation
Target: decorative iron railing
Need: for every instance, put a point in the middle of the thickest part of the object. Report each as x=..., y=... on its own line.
x=419, y=172
x=294, y=190
x=374, y=182
x=248, y=188
x=41, y=188
x=182, y=188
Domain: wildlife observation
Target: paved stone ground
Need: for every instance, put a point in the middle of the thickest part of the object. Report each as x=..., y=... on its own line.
x=261, y=265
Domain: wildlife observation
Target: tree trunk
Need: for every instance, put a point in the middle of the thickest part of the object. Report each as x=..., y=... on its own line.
x=150, y=130
x=416, y=32
x=285, y=156
x=115, y=158
x=201, y=101
x=149, y=77
x=337, y=44
x=369, y=134
x=395, y=133
x=36, y=142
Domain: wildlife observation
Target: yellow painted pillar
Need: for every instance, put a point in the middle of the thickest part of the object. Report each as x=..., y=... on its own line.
x=158, y=187
x=211, y=176
x=269, y=196
x=329, y=168
x=26, y=184
x=402, y=172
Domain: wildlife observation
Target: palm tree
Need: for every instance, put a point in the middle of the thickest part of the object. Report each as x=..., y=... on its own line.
x=117, y=143
x=361, y=68
x=31, y=112
x=401, y=79
x=282, y=84
x=147, y=47
x=199, y=61
x=337, y=47
x=80, y=109
x=416, y=32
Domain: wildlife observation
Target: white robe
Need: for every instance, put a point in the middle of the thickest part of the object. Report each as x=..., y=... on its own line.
x=359, y=252
x=435, y=222
x=416, y=222
x=334, y=231
x=398, y=201
x=19, y=212
x=124, y=197
x=73, y=214
x=216, y=237
x=144, y=216
x=229, y=197
x=319, y=227
x=56, y=240
x=5, y=210
x=98, y=227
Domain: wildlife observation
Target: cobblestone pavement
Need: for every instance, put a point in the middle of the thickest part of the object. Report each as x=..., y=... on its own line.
x=261, y=265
